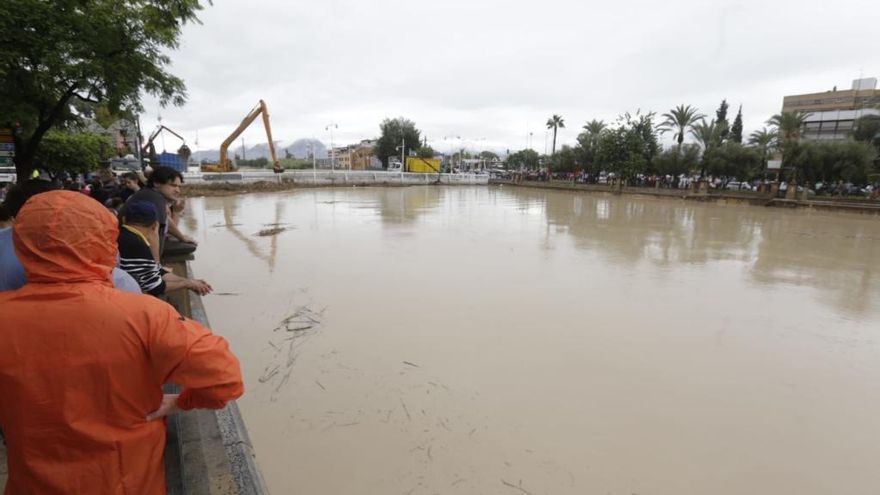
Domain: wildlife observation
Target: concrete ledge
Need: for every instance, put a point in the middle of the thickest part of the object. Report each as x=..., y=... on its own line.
x=720, y=197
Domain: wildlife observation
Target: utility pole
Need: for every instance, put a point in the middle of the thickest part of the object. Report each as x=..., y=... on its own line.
x=403, y=155
x=330, y=128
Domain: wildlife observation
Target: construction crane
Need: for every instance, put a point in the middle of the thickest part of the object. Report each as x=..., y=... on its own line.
x=225, y=165
x=149, y=149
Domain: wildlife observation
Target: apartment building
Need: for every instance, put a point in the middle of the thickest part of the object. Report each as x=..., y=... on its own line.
x=832, y=114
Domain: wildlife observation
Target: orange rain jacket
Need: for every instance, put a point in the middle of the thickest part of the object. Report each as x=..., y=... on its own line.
x=82, y=364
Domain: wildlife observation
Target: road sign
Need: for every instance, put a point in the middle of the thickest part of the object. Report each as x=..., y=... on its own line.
x=7, y=153
x=774, y=164
x=7, y=147
x=6, y=161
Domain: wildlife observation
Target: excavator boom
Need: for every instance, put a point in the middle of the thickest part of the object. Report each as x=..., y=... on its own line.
x=225, y=165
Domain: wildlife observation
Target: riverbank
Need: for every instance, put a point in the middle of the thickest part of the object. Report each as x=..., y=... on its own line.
x=862, y=206
x=230, y=183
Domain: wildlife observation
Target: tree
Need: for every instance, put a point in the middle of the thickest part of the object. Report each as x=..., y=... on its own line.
x=555, y=122
x=630, y=148
x=566, y=160
x=867, y=130
x=733, y=160
x=680, y=119
x=72, y=152
x=830, y=161
x=706, y=134
x=677, y=161
x=595, y=127
x=68, y=57
x=789, y=129
x=721, y=121
x=765, y=141
x=736, y=131
x=394, y=132
x=527, y=159
x=488, y=156
x=425, y=152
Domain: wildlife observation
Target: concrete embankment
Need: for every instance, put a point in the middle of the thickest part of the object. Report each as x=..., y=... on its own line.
x=863, y=206
x=267, y=181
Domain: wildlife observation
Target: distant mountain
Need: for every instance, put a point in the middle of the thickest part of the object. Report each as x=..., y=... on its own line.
x=301, y=148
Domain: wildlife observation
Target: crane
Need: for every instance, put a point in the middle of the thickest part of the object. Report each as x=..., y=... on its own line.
x=225, y=165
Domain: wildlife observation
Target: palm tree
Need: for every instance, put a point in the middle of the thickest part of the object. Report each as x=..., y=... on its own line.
x=706, y=134
x=789, y=127
x=680, y=119
x=555, y=122
x=764, y=140
x=595, y=127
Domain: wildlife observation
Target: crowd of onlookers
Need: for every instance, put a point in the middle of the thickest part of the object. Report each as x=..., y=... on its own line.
x=148, y=206
x=684, y=181
x=88, y=338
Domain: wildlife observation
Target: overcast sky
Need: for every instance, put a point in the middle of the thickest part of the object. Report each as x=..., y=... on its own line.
x=491, y=71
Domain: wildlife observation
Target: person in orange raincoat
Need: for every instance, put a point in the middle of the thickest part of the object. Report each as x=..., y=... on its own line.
x=82, y=364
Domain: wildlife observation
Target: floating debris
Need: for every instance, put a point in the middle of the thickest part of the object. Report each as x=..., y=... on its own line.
x=271, y=232
x=411, y=364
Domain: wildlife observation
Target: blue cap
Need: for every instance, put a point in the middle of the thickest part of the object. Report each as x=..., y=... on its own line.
x=140, y=213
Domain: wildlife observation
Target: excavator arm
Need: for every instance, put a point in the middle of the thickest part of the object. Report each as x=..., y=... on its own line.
x=149, y=150
x=261, y=108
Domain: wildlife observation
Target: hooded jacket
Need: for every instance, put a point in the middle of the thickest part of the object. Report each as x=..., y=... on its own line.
x=82, y=364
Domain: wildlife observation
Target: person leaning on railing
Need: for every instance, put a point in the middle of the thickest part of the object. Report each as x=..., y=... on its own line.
x=82, y=364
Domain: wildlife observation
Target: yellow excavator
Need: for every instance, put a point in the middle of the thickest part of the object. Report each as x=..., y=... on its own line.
x=225, y=165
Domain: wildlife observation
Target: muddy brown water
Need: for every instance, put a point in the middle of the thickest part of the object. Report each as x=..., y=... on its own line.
x=511, y=341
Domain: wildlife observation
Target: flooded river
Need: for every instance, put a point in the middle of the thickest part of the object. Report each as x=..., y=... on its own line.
x=515, y=341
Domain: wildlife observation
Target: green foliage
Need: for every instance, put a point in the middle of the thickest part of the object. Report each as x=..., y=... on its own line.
x=630, y=148
x=765, y=140
x=830, y=161
x=76, y=153
x=678, y=160
x=566, y=160
x=425, y=152
x=393, y=133
x=261, y=162
x=295, y=164
x=488, y=156
x=680, y=119
x=867, y=130
x=588, y=145
x=526, y=158
x=736, y=131
x=721, y=121
x=708, y=136
x=555, y=122
x=60, y=60
x=734, y=160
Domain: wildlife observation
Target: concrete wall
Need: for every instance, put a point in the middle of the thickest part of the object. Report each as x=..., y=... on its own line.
x=336, y=178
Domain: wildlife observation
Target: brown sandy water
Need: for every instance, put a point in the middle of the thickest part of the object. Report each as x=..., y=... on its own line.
x=511, y=341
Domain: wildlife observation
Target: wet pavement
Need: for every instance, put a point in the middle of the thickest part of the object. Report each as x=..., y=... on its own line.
x=500, y=340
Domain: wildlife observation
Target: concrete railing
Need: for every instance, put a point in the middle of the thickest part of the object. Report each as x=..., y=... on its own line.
x=335, y=177
x=208, y=452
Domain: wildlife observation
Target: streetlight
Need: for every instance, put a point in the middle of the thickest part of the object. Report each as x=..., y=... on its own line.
x=330, y=128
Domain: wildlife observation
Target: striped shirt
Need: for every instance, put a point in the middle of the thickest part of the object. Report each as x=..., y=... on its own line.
x=137, y=260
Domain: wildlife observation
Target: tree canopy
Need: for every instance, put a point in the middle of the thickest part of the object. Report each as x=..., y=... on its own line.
x=393, y=133
x=61, y=60
x=73, y=152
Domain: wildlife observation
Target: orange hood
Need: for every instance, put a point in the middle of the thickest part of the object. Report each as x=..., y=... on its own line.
x=65, y=236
